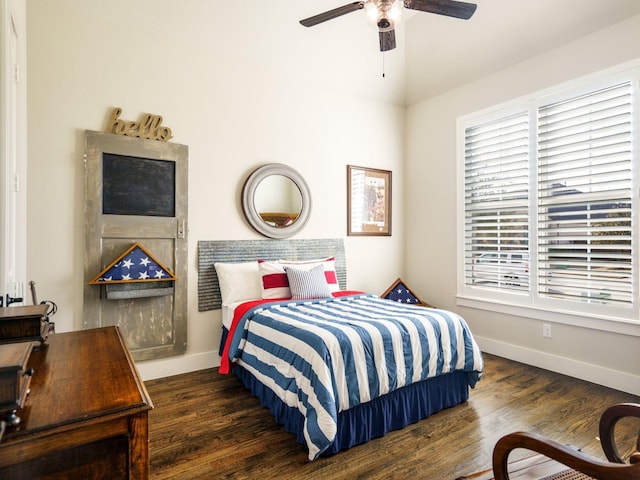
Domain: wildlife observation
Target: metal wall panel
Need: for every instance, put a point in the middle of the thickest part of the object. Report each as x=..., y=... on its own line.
x=210, y=252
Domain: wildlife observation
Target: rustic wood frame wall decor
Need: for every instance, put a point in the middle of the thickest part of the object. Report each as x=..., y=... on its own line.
x=368, y=201
x=151, y=211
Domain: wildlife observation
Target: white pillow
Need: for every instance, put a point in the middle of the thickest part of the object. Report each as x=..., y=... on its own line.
x=238, y=281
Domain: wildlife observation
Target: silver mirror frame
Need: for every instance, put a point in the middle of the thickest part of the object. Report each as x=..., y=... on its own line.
x=249, y=207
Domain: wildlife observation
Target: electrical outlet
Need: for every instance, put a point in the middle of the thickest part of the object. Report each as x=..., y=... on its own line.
x=546, y=330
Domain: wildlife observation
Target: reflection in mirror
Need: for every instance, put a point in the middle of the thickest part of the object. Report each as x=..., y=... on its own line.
x=276, y=201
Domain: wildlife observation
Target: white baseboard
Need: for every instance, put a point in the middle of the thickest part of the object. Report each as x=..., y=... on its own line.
x=623, y=381
x=152, y=369
x=615, y=379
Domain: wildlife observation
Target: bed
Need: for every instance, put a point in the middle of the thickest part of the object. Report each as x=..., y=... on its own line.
x=337, y=368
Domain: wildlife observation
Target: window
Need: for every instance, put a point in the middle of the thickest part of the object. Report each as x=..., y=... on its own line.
x=497, y=201
x=584, y=197
x=548, y=204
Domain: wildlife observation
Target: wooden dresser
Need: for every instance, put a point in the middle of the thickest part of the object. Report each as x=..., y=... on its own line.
x=86, y=415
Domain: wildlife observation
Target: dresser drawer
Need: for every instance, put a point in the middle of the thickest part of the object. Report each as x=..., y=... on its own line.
x=15, y=377
x=20, y=324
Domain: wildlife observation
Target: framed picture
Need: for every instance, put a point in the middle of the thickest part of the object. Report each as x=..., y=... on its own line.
x=368, y=201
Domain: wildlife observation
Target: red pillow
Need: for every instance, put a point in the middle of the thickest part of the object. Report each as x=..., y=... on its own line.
x=274, y=277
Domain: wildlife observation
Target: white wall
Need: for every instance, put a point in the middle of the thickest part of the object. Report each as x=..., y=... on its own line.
x=242, y=84
x=599, y=356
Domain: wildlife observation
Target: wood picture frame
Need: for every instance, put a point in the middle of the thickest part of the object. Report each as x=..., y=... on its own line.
x=368, y=201
x=400, y=292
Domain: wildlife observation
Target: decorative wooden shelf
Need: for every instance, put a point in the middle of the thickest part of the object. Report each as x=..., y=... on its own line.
x=121, y=292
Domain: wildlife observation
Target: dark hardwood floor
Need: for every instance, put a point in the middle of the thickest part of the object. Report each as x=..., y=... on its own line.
x=207, y=426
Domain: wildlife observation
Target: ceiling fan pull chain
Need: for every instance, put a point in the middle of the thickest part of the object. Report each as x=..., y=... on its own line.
x=383, y=67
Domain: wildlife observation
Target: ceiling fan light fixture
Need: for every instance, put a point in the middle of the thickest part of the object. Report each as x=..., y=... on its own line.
x=395, y=11
x=383, y=15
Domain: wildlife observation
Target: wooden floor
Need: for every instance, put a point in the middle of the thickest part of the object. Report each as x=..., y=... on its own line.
x=207, y=426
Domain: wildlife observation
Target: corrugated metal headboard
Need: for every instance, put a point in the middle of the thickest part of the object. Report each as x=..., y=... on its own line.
x=212, y=251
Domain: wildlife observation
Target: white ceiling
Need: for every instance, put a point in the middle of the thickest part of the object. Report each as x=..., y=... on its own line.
x=442, y=53
x=434, y=53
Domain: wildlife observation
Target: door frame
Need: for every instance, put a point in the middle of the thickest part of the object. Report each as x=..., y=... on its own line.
x=13, y=153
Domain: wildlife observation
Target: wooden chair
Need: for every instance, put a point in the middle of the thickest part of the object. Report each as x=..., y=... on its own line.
x=561, y=462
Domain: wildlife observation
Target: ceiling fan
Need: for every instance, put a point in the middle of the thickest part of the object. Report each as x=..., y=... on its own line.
x=386, y=14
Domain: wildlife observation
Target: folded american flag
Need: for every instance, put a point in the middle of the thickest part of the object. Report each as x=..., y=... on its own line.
x=134, y=265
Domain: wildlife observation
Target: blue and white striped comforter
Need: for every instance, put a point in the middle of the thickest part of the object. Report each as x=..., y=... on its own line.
x=325, y=356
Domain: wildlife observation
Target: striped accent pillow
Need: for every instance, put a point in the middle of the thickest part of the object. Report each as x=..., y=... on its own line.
x=329, y=265
x=306, y=283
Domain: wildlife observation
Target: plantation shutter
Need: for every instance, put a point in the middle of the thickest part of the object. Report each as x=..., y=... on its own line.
x=584, y=197
x=497, y=202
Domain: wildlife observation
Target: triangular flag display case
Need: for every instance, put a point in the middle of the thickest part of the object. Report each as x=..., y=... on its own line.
x=135, y=266
x=401, y=293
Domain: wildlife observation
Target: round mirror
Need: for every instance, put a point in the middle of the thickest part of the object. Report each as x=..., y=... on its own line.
x=276, y=201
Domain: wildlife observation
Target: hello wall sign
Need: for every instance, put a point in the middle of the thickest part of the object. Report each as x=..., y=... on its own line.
x=149, y=126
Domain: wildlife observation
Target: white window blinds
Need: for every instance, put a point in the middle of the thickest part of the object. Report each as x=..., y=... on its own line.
x=580, y=172
x=584, y=197
x=497, y=203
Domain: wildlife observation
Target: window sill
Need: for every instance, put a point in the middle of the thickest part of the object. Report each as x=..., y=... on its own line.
x=623, y=326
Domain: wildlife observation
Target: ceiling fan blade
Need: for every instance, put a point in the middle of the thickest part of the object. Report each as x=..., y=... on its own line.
x=387, y=40
x=450, y=8
x=331, y=14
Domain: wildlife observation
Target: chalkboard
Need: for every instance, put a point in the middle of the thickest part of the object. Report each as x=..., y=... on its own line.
x=138, y=186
